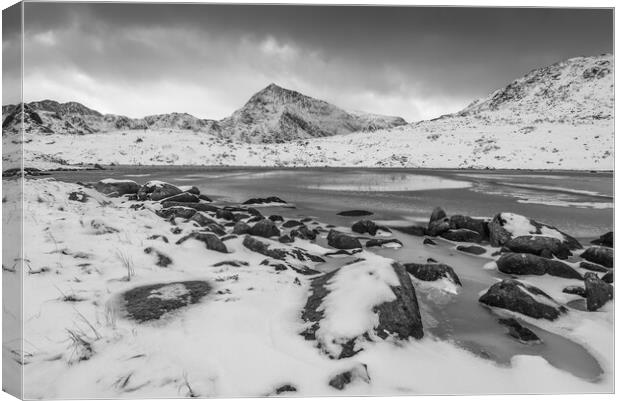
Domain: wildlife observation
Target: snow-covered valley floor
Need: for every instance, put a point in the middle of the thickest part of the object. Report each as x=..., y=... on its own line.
x=243, y=337
x=455, y=142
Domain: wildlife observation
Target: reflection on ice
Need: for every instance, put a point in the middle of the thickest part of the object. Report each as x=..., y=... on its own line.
x=387, y=182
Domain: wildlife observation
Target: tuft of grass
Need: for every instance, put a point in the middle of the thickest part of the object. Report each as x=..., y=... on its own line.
x=82, y=348
x=127, y=263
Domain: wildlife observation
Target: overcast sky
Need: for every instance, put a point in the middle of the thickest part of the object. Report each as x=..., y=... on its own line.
x=207, y=60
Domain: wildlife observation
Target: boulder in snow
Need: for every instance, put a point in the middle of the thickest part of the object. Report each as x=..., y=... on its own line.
x=606, y=239
x=111, y=186
x=506, y=226
x=599, y=254
x=265, y=228
x=340, y=240
x=518, y=297
x=366, y=300
x=598, y=292
x=432, y=272
x=525, y=263
x=546, y=247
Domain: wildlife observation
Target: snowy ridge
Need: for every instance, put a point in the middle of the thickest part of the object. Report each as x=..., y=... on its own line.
x=577, y=89
x=274, y=114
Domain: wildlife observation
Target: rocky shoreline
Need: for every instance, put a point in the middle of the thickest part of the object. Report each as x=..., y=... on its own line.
x=363, y=300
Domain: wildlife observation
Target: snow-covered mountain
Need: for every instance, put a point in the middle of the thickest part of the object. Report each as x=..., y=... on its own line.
x=556, y=117
x=51, y=117
x=279, y=115
x=272, y=115
x=576, y=90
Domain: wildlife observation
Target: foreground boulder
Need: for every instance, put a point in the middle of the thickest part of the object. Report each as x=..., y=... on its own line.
x=525, y=263
x=546, y=247
x=506, y=226
x=263, y=201
x=183, y=197
x=111, y=186
x=211, y=241
x=364, y=301
x=367, y=226
x=383, y=242
x=177, y=212
x=597, y=292
x=462, y=235
x=599, y=254
x=157, y=190
x=438, y=222
x=518, y=297
x=357, y=373
x=473, y=249
x=480, y=226
x=151, y=302
x=606, y=239
x=432, y=272
x=339, y=240
x=264, y=228
x=296, y=258
x=200, y=207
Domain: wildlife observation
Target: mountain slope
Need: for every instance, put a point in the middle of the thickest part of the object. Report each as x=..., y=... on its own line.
x=577, y=89
x=272, y=115
x=278, y=115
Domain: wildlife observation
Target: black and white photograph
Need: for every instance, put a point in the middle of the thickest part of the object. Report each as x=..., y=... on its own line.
x=223, y=200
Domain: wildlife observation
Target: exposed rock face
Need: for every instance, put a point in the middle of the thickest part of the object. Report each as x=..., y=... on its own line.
x=241, y=228
x=597, y=291
x=518, y=297
x=163, y=260
x=183, y=197
x=520, y=332
x=200, y=207
x=265, y=228
x=390, y=242
x=289, y=254
x=506, y=226
x=211, y=241
x=262, y=201
x=606, y=239
x=151, y=302
x=303, y=232
x=525, y=263
x=340, y=240
x=473, y=249
x=432, y=272
x=593, y=267
x=438, y=223
x=462, y=235
x=117, y=187
x=599, y=254
x=357, y=373
x=575, y=290
x=156, y=191
x=367, y=226
x=480, y=226
x=202, y=219
x=177, y=211
x=292, y=223
x=546, y=247
x=399, y=318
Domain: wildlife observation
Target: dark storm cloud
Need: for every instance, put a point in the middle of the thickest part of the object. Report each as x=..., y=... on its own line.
x=208, y=59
